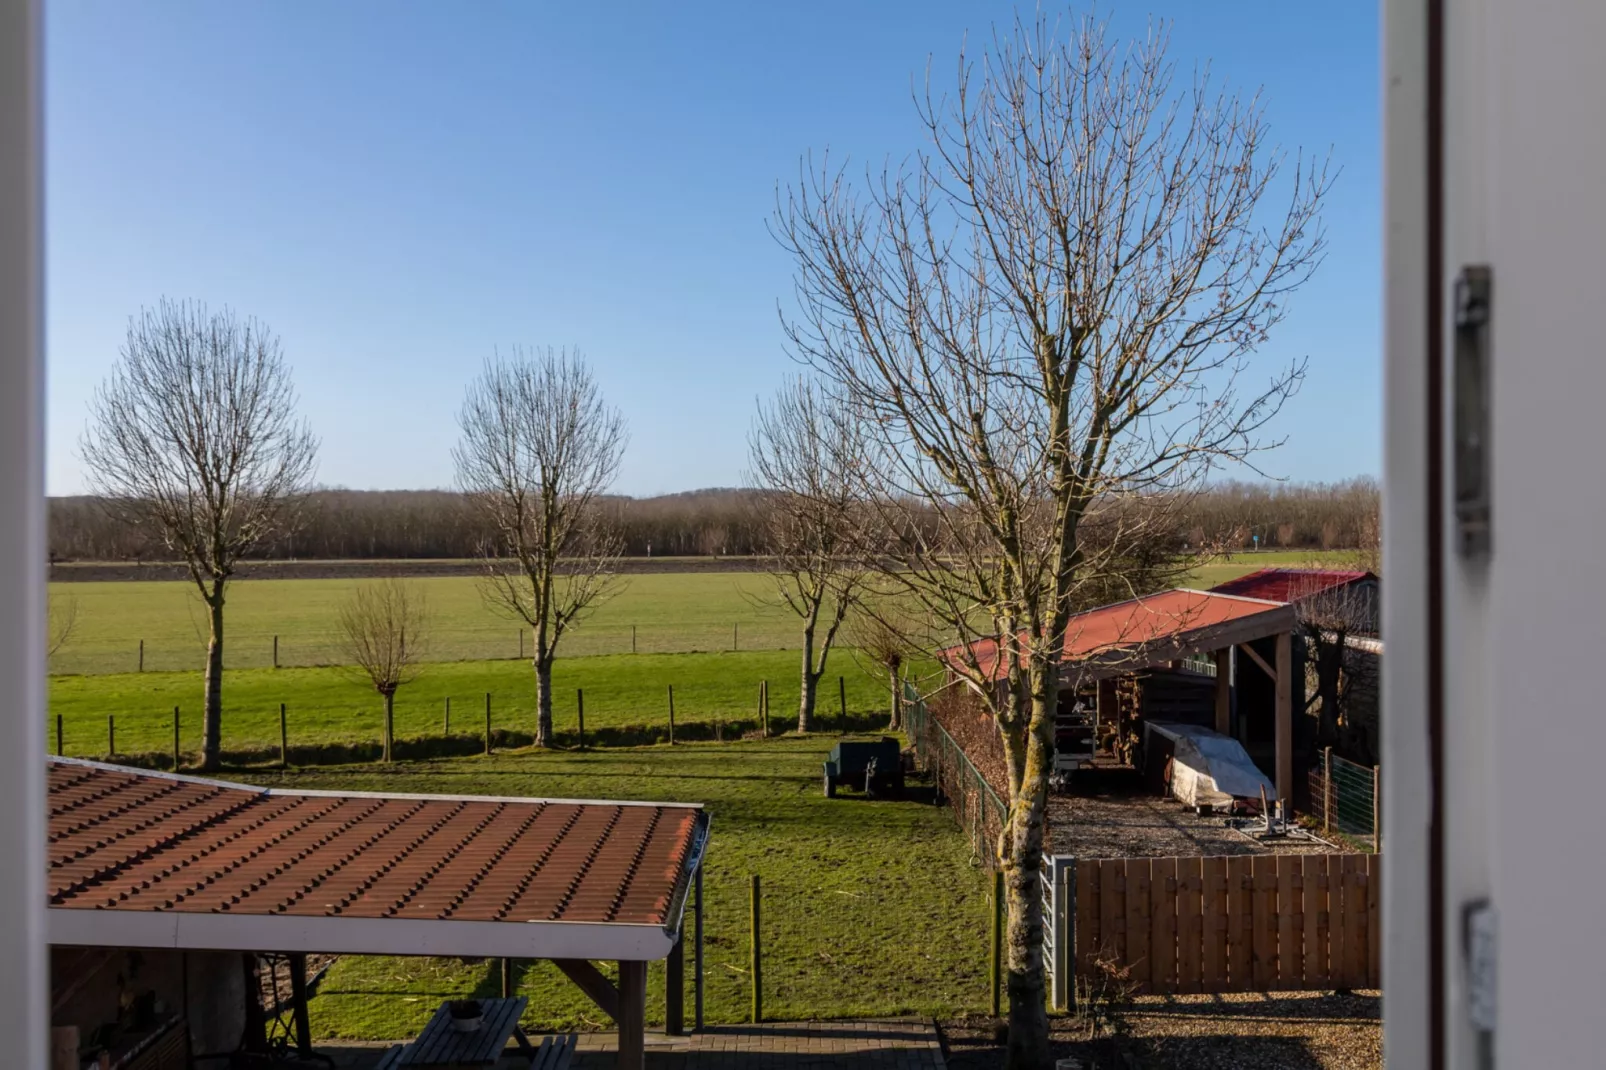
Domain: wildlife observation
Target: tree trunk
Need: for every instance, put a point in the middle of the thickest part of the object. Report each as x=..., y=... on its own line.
x=543, y=702
x=390, y=722
x=212, y=717
x=805, y=706
x=895, y=687
x=1021, y=849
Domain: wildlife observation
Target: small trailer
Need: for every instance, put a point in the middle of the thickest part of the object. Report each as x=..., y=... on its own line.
x=875, y=766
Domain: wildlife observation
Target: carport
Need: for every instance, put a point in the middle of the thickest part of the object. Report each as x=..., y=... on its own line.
x=144, y=860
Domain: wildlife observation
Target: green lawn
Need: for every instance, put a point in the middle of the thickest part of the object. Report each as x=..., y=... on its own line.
x=625, y=695
x=656, y=612
x=870, y=908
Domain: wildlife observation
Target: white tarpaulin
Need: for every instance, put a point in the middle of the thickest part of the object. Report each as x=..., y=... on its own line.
x=1210, y=769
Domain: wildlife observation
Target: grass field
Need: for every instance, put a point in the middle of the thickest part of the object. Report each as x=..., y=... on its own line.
x=870, y=908
x=625, y=696
x=653, y=613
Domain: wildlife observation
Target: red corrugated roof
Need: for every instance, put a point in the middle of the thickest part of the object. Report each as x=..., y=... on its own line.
x=126, y=840
x=1288, y=584
x=1164, y=616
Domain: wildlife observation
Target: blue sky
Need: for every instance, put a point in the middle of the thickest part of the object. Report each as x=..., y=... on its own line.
x=398, y=188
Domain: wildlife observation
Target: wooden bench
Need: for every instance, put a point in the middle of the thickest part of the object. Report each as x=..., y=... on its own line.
x=391, y=1059
x=554, y=1053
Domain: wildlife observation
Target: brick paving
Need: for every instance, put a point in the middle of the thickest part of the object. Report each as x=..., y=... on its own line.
x=865, y=1044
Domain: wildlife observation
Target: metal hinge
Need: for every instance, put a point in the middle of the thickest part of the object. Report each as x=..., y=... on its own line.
x=1480, y=932
x=1473, y=307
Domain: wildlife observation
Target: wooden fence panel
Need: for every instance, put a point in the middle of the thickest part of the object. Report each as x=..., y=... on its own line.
x=1314, y=872
x=1163, y=925
x=1137, y=919
x=1240, y=923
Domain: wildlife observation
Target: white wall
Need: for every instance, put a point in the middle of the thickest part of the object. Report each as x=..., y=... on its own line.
x=23, y=981
x=1525, y=728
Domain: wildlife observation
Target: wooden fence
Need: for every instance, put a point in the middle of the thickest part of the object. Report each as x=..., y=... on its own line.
x=1235, y=924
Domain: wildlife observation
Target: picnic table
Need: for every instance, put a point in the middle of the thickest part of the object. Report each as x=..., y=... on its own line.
x=440, y=1045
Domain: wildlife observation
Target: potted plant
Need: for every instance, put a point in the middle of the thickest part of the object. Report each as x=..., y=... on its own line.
x=465, y=1013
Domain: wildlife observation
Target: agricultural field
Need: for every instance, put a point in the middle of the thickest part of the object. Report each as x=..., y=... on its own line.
x=665, y=612
x=330, y=711
x=870, y=907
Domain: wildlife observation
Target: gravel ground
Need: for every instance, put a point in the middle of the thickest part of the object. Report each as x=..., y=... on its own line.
x=1304, y=1031
x=1109, y=814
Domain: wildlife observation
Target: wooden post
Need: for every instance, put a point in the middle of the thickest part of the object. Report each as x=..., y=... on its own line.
x=142, y=655
x=507, y=975
x=671, y=715
x=521, y=644
x=764, y=706
x=276, y=652
x=448, y=715
x=284, y=736
x=755, y=957
x=298, y=1005
x=697, y=951
x=111, y=735
x=487, y=722
x=675, y=988
x=580, y=710
x=632, y=638
x=58, y=736
x=1377, y=810
x=842, y=696
x=998, y=942
x=1224, y=691
x=736, y=643
x=1285, y=723
x=1327, y=789
x=175, y=739
x=632, y=1016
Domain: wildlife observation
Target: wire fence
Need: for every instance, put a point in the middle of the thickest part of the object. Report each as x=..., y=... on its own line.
x=312, y=648
x=977, y=807
x=1345, y=799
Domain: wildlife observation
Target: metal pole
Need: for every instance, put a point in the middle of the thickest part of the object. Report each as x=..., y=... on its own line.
x=284, y=736
x=580, y=707
x=507, y=971
x=175, y=739
x=298, y=1005
x=1327, y=789
x=521, y=644
x=111, y=735
x=1377, y=810
x=697, y=953
x=632, y=638
x=276, y=652
x=448, y=715
x=142, y=655
x=755, y=962
x=58, y=736
x=487, y=722
x=671, y=715
x=736, y=637
x=842, y=694
x=998, y=942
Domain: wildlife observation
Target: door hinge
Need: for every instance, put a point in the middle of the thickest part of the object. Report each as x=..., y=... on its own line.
x=1470, y=382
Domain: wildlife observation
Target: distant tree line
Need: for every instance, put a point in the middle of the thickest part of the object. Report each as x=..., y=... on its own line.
x=389, y=524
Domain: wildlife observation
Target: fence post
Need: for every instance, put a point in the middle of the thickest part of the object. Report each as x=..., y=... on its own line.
x=580, y=709
x=632, y=638
x=58, y=736
x=448, y=715
x=671, y=715
x=998, y=942
x=487, y=722
x=1377, y=810
x=284, y=737
x=142, y=655
x=736, y=637
x=111, y=735
x=842, y=694
x=756, y=958
x=276, y=652
x=175, y=739
x=1327, y=789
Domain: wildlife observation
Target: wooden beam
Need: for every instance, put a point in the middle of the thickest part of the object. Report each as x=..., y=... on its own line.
x=1224, y=691
x=1285, y=723
x=632, y=1017
x=675, y=989
x=590, y=980
x=1258, y=660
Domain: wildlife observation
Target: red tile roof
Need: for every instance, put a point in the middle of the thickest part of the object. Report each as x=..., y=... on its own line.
x=1168, y=619
x=1288, y=584
x=123, y=840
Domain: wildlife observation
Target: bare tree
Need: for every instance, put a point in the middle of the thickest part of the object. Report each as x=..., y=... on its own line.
x=538, y=448
x=1043, y=317
x=383, y=630
x=63, y=622
x=194, y=438
x=804, y=453
x=883, y=645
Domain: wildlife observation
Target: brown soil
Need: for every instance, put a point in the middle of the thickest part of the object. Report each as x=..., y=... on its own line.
x=91, y=571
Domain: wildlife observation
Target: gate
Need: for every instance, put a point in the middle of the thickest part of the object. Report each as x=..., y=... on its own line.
x=1206, y=925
